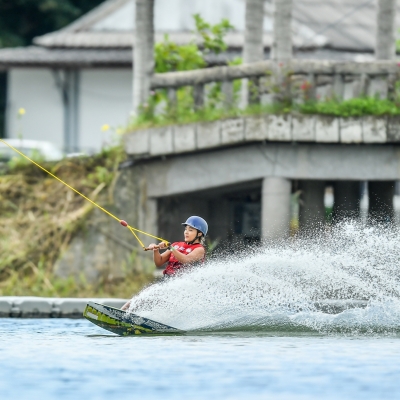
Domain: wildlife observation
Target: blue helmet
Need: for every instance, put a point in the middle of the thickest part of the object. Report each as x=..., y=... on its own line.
x=197, y=223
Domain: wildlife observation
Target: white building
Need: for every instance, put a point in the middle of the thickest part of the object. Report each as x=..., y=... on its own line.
x=75, y=80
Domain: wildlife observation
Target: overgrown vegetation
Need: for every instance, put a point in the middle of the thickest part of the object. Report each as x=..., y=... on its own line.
x=356, y=107
x=22, y=20
x=38, y=219
x=172, y=57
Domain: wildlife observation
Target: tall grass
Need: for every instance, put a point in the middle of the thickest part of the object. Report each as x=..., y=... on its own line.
x=38, y=219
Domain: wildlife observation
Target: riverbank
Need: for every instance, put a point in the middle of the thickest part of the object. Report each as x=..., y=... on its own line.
x=40, y=218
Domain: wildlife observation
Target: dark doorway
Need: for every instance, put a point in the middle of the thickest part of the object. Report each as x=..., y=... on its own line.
x=233, y=214
x=247, y=216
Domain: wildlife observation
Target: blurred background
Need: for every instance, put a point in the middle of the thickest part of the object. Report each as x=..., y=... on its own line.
x=68, y=63
x=67, y=88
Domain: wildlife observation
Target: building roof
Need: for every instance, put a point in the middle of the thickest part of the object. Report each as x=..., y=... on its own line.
x=348, y=24
x=112, y=25
x=104, y=36
x=34, y=56
x=340, y=24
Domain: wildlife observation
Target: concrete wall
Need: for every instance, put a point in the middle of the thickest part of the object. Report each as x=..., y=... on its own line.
x=34, y=90
x=235, y=165
x=104, y=97
x=181, y=139
x=103, y=247
x=47, y=307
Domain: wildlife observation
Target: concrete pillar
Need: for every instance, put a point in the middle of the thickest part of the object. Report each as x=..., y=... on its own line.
x=143, y=52
x=381, y=208
x=275, y=208
x=68, y=83
x=312, y=207
x=347, y=200
x=385, y=44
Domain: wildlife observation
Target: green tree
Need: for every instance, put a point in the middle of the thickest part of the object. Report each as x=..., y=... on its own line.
x=22, y=20
x=169, y=57
x=172, y=57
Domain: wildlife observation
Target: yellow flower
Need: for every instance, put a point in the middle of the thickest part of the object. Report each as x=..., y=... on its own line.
x=21, y=111
x=119, y=131
x=105, y=128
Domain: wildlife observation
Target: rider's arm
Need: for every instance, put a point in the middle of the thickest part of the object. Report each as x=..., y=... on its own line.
x=159, y=259
x=195, y=255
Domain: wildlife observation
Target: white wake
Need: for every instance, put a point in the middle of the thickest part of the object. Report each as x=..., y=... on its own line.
x=277, y=287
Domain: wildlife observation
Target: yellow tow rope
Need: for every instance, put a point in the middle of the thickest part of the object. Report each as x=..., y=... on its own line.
x=121, y=221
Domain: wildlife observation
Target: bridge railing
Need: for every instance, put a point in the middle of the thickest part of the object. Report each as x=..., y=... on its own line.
x=297, y=79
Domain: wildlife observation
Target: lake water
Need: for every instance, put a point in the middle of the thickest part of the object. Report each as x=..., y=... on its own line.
x=73, y=359
x=254, y=330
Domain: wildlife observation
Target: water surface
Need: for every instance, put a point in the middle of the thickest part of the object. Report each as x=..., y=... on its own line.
x=73, y=359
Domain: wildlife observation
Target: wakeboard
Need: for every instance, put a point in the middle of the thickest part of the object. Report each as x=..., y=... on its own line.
x=124, y=323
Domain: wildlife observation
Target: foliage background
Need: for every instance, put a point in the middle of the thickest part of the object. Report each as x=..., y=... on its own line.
x=22, y=20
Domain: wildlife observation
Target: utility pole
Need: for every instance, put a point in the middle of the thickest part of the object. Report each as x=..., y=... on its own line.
x=276, y=191
x=143, y=52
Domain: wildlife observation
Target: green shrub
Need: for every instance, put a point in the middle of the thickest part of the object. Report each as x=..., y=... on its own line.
x=355, y=107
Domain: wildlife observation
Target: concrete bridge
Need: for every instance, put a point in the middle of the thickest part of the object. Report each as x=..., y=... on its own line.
x=240, y=173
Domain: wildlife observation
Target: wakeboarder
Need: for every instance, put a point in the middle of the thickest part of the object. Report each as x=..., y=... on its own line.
x=181, y=255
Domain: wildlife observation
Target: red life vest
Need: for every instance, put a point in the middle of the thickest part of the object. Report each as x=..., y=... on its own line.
x=174, y=265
